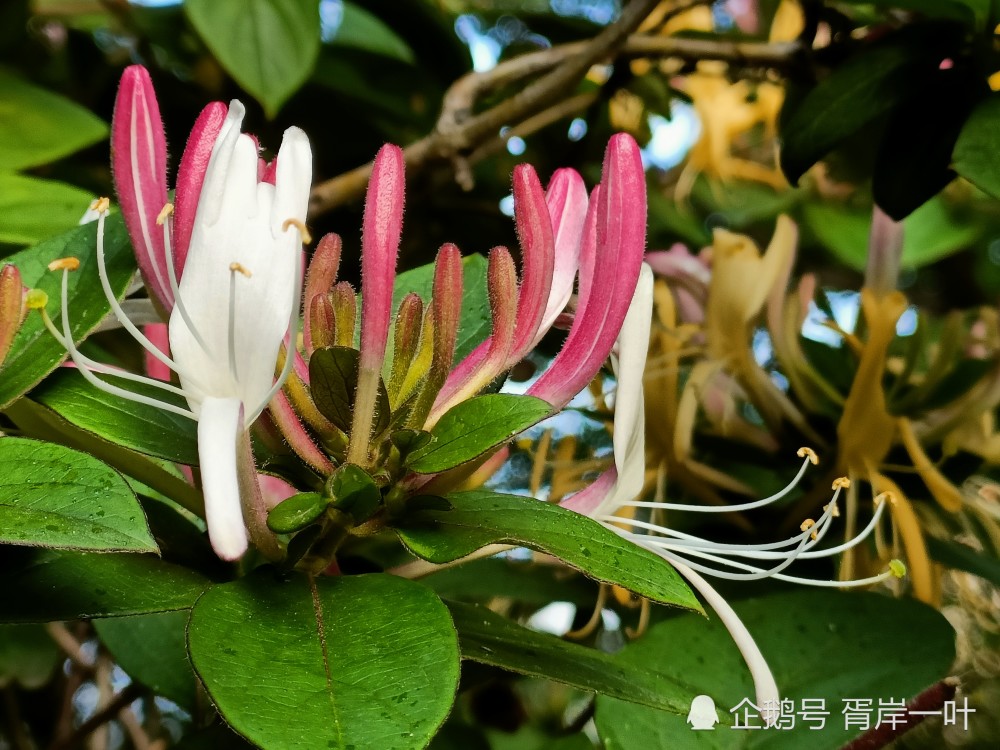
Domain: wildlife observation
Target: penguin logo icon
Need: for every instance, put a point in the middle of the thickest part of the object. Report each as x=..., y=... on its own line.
x=702, y=714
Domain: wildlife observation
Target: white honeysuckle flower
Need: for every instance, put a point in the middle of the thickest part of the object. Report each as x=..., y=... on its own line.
x=612, y=500
x=235, y=302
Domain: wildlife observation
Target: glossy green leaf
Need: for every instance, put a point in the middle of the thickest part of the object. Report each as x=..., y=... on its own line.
x=28, y=656
x=362, y=30
x=268, y=46
x=142, y=428
x=473, y=427
x=858, y=91
x=52, y=496
x=350, y=662
x=488, y=638
x=32, y=209
x=977, y=152
x=478, y=518
x=34, y=352
x=296, y=512
x=914, y=157
x=475, y=321
x=821, y=645
x=333, y=381
x=963, y=557
x=47, y=585
x=151, y=649
x=518, y=580
x=37, y=421
x=354, y=491
x=931, y=233
x=38, y=126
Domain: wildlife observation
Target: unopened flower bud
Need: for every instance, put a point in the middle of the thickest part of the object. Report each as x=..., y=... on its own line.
x=12, y=307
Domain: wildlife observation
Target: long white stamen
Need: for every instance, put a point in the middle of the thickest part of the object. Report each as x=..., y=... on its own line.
x=127, y=324
x=680, y=540
x=82, y=360
x=79, y=360
x=147, y=237
x=234, y=268
x=293, y=321
x=855, y=583
x=723, y=508
x=168, y=210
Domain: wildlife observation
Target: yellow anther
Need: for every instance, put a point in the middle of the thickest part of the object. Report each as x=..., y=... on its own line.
x=806, y=525
x=897, y=568
x=36, y=299
x=167, y=210
x=306, y=237
x=101, y=205
x=809, y=453
x=65, y=264
x=887, y=497
x=841, y=483
x=833, y=510
x=240, y=268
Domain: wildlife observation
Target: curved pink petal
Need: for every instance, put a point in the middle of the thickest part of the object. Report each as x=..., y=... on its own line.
x=139, y=165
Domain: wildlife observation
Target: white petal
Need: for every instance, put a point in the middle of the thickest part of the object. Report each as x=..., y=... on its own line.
x=633, y=346
x=292, y=179
x=210, y=200
x=219, y=425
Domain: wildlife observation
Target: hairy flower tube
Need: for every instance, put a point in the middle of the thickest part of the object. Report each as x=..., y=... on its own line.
x=614, y=500
x=233, y=297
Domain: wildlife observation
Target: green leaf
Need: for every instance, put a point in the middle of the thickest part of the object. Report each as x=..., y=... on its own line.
x=743, y=203
x=977, y=152
x=473, y=427
x=333, y=381
x=820, y=645
x=351, y=662
x=914, y=158
x=475, y=321
x=48, y=585
x=34, y=352
x=141, y=427
x=866, y=86
x=480, y=517
x=931, y=233
x=488, y=638
x=963, y=557
x=38, y=126
x=34, y=420
x=362, y=30
x=268, y=46
x=151, y=649
x=354, y=491
x=52, y=496
x=28, y=656
x=32, y=209
x=954, y=10
x=296, y=512
x=535, y=584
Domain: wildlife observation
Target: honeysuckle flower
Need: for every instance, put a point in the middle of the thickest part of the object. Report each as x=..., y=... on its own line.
x=733, y=309
x=614, y=500
x=234, y=294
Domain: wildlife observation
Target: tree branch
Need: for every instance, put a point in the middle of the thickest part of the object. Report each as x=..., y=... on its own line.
x=462, y=138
